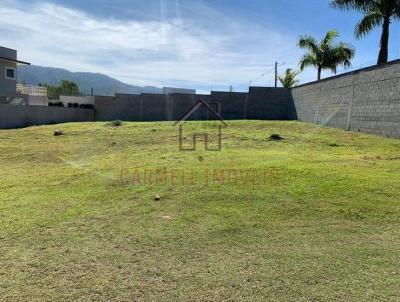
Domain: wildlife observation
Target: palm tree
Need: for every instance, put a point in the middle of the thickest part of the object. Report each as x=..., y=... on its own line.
x=376, y=13
x=325, y=54
x=288, y=80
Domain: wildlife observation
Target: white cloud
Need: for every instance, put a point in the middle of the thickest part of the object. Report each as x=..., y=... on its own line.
x=208, y=49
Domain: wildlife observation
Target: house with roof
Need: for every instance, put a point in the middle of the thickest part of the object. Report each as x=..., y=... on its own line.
x=8, y=71
x=205, y=111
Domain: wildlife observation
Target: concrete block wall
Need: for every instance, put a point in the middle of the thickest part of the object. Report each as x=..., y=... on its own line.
x=366, y=100
x=145, y=107
x=178, y=104
x=268, y=103
x=40, y=115
x=259, y=103
x=117, y=108
x=324, y=103
x=12, y=116
x=81, y=100
x=233, y=106
x=17, y=116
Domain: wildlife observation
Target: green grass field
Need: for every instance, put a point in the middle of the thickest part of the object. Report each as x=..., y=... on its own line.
x=322, y=225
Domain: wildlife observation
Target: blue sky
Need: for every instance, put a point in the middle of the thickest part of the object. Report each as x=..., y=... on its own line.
x=200, y=44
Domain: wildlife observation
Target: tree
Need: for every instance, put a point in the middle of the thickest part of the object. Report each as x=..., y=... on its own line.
x=65, y=88
x=288, y=80
x=325, y=54
x=69, y=88
x=53, y=92
x=376, y=13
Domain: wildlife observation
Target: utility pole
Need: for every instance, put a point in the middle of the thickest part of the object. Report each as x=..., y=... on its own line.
x=276, y=74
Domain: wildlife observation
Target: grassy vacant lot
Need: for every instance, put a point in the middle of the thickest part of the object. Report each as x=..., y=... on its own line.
x=323, y=226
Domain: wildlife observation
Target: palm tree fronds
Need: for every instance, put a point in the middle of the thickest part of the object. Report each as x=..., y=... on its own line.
x=376, y=13
x=308, y=42
x=330, y=37
x=288, y=80
x=358, y=5
x=308, y=60
x=368, y=23
x=326, y=54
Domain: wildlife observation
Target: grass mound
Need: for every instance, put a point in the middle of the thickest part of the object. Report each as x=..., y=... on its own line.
x=275, y=137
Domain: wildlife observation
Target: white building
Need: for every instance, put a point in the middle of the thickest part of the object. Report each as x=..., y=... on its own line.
x=171, y=90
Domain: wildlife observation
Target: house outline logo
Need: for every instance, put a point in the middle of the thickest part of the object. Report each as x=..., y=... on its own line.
x=200, y=136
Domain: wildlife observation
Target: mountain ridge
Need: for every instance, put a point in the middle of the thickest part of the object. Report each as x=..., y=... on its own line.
x=102, y=84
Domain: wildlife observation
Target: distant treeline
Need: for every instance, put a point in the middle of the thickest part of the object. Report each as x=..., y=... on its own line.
x=65, y=88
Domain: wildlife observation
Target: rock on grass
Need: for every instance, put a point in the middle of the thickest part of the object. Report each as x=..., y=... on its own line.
x=116, y=123
x=58, y=133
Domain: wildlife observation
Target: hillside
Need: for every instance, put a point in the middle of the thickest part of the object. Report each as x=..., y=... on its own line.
x=102, y=84
x=319, y=222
